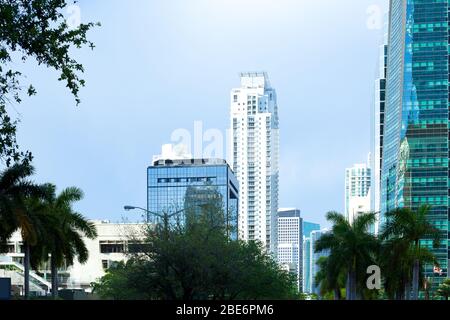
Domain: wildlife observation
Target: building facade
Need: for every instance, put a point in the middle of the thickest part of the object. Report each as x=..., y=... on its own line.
x=357, y=190
x=378, y=122
x=290, y=242
x=186, y=185
x=314, y=258
x=255, y=149
x=308, y=228
x=307, y=288
x=114, y=241
x=415, y=168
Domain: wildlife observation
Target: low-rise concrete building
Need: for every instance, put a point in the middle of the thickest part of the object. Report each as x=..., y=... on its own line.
x=113, y=244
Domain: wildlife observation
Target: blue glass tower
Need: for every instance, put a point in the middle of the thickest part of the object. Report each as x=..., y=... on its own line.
x=308, y=227
x=188, y=184
x=415, y=168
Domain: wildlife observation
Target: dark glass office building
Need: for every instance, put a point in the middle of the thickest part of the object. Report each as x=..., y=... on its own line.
x=188, y=184
x=415, y=168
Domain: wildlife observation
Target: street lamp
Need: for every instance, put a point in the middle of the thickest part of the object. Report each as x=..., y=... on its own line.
x=163, y=216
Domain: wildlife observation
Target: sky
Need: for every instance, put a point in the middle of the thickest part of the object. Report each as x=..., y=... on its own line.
x=161, y=65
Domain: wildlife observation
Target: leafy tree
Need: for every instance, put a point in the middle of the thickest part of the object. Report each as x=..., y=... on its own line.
x=352, y=249
x=63, y=233
x=403, y=230
x=197, y=261
x=330, y=281
x=444, y=289
x=34, y=29
x=117, y=284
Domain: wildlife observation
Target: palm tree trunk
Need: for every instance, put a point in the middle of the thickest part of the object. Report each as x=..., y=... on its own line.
x=348, y=286
x=26, y=265
x=54, y=271
x=337, y=294
x=415, y=293
x=354, y=297
x=408, y=291
x=351, y=285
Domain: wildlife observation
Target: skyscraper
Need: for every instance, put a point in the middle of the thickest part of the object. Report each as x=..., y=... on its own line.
x=315, y=256
x=254, y=123
x=181, y=183
x=357, y=190
x=307, y=285
x=308, y=227
x=378, y=118
x=415, y=168
x=290, y=242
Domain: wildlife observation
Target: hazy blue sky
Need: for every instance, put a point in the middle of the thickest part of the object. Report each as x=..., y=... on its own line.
x=161, y=65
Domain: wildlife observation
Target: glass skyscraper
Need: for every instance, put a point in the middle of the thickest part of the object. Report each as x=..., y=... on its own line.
x=415, y=169
x=188, y=184
x=308, y=228
x=314, y=258
x=307, y=265
x=378, y=119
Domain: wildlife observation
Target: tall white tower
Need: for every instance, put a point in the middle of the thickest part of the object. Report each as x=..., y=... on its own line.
x=255, y=149
x=290, y=243
x=357, y=190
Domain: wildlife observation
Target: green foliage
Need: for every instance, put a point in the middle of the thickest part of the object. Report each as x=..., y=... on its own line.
x=444, y=289
x=330, y=281
x=15, y=187
x=197, y=261
x=400, y=236
x=397, y=251
x=115, y=284
x=48, y=224
x=352, y=249
x=62, y=228
x=34, y=29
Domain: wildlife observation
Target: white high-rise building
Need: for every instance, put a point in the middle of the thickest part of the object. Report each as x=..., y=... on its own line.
x=357, y=190
x=255, y=149
x=290, y=242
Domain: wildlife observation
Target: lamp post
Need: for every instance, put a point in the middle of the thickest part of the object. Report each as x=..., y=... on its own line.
x=163, y=216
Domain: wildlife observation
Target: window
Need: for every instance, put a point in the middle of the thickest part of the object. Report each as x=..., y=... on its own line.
x=105, y=264
x=235, y=98
x=111, y=247
x=137, y=247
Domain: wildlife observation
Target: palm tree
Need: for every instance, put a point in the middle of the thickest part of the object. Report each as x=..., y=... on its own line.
x=64, y=233
x=395, y=262
x=444, y=289
x=15, y=187
x=352, y=248
x=330, y=281
x=406, y=226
